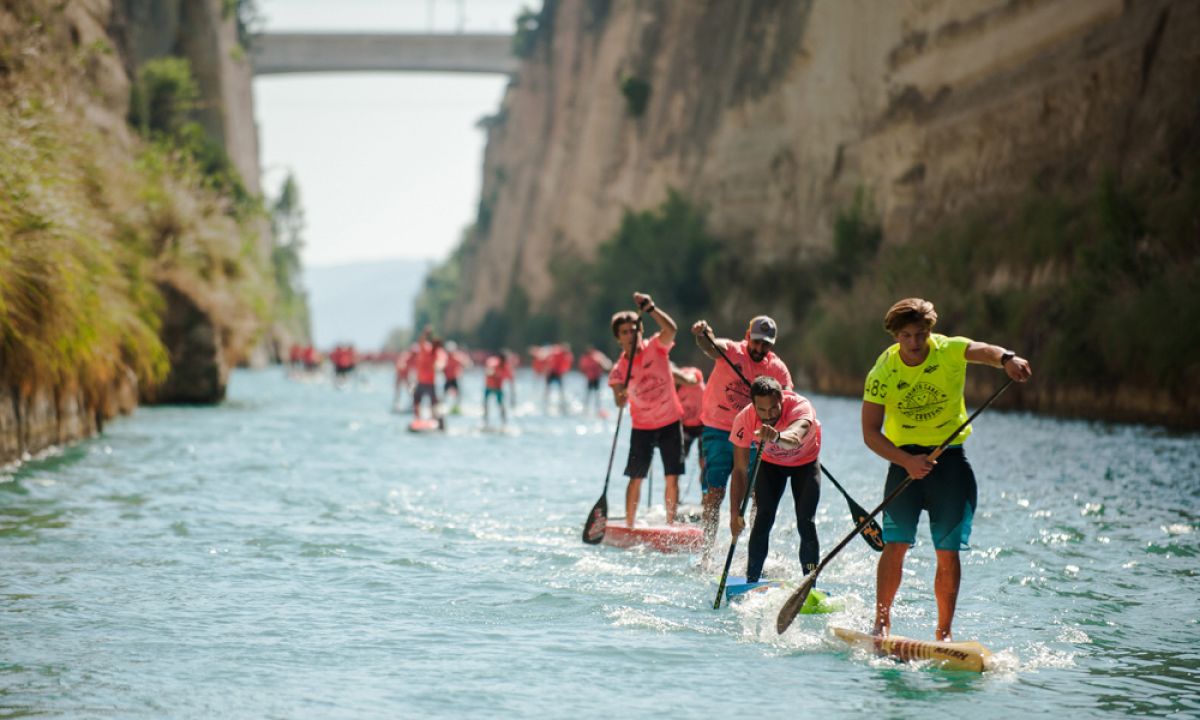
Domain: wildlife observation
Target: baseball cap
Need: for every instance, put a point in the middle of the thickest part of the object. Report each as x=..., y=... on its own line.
x=762, y=328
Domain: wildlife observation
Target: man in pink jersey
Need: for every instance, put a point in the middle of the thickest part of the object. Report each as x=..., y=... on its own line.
x=559, y=360
x=496, y=371
x=783, y=425
x=429, y=359
x=594, y=365
x=647, y=385
x=725, y=395
x=456, y=362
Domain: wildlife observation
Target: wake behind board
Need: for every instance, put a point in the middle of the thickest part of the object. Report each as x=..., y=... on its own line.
x=817, y=602
x=663, y=538
x=969, y=656
x=421, y=425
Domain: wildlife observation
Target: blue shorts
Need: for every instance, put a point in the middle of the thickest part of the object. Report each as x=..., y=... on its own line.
x=718, y=458
x=948, y=494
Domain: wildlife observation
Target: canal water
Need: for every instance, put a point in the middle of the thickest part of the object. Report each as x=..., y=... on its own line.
x=296, y=553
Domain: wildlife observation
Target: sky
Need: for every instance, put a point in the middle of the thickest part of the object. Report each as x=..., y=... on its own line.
x=388, y=164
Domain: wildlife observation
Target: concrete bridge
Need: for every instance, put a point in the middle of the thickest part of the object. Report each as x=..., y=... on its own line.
x=276, y=53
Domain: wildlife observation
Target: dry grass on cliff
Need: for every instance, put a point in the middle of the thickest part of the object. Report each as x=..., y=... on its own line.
x=92, y=221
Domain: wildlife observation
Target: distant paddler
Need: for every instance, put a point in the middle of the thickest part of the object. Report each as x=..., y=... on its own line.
x=594, y=365
x=654, y=407
x=784, y=427
x=429, y=359
x=496, y=371
x=912, y=400
x=725, y=395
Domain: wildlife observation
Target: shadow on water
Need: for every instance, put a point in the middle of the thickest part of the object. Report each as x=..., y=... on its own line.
x=28, y=522
x=903, y=683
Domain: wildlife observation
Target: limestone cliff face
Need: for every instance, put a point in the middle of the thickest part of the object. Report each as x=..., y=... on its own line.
x=775, y=113
x=201, y=32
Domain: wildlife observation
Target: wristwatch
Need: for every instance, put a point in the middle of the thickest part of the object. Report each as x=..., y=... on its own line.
x=1006, y=356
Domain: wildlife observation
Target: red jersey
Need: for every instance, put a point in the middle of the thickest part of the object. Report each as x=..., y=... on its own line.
x=455, y=362
x=495, y=373
x=427, y=361
x=561, y=360
x=592, y=364
x=691, y=397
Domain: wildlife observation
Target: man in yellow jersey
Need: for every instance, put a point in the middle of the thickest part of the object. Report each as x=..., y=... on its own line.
x=912, y=401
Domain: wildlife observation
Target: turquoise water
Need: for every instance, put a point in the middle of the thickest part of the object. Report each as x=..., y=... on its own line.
x=296, y=553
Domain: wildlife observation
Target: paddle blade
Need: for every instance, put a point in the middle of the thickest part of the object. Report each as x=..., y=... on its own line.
x=871, y=533
x=597, y=522
x=792, y=607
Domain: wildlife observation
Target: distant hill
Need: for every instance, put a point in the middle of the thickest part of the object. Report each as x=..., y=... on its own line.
x=362, y=302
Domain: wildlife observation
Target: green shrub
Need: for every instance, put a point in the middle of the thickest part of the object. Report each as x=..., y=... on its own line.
x=637, y=95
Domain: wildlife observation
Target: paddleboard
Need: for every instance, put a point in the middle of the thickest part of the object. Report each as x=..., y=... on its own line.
x=664, y=538
x=424, y=425
x=970, y=656
x=817, y=602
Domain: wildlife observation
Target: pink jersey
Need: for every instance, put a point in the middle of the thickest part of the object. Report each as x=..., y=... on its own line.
x=590, y=364
x=560, y=360
x=691, y=397
x=652, y=399
x=427, y=360
x=496, y=373
x=726, y=394
x=795, y=407
x=455, y=362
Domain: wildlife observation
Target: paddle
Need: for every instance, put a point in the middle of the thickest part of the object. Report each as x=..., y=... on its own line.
x=790, y=608
x=741, y=513
x=597, y=520
x=872, y=534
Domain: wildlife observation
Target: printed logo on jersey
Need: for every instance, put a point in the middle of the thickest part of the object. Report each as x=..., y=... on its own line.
x=649, y=389
x=923, y=402
x=737, y=394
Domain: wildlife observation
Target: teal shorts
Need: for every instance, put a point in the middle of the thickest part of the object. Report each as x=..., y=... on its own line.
x=718, y=458
x=948, y=494
x=489, y=392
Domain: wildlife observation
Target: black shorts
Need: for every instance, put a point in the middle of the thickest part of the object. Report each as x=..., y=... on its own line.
x=669, y=441
x=593, y=384
x=451, y=384
x=553, y=378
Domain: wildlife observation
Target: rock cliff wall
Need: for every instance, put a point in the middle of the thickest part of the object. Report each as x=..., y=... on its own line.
x=775, y=113
x=86, y=187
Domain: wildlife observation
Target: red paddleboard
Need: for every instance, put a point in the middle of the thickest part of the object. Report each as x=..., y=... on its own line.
x=424, y=425
x=664, y=538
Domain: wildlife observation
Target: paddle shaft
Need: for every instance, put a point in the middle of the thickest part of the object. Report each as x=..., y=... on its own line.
x=741, y=513
x=617, y=432
x=599, y=512
x=810, y=579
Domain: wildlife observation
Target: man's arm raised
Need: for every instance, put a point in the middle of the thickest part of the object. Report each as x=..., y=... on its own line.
x=666, y=326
